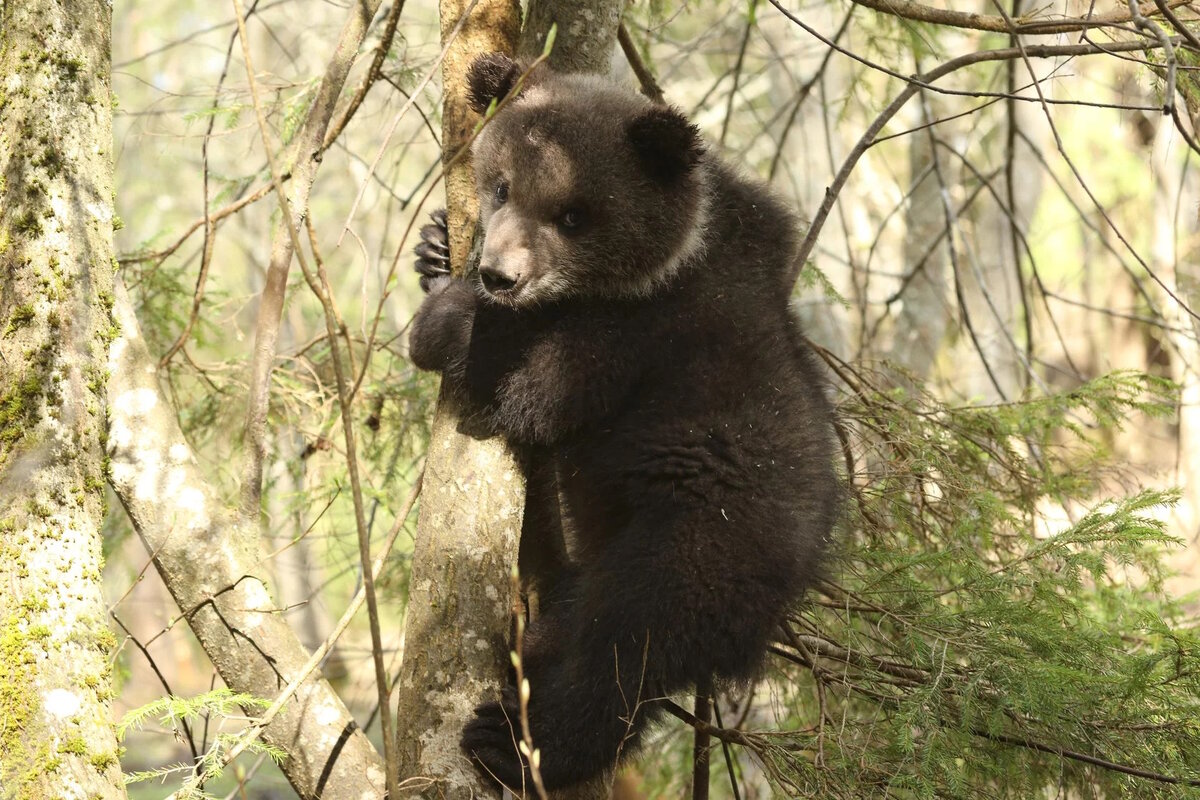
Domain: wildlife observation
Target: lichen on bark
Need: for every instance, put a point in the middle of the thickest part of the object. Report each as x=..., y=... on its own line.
x=56, y=271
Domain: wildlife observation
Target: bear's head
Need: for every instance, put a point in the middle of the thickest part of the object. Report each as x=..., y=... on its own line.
x=585, y=189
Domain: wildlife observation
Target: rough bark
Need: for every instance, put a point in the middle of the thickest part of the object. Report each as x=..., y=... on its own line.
x=56, y=271
x=212, y=566
x=587, y=31
x=467, y=533
x=458, y=602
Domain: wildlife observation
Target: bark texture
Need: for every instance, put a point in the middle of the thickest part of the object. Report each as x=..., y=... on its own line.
x=470, y=520
x=458, y=604
x=587, y=31
x=56, y=272
x=212, y=565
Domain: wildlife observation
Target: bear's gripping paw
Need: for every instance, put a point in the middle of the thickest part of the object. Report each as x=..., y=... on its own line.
x=491, y=741
x=433, y=253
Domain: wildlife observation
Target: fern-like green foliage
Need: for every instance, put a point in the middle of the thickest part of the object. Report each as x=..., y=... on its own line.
x=990, y=627
x=220, y=703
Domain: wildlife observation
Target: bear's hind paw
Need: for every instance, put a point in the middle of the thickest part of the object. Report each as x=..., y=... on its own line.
x=491, y=741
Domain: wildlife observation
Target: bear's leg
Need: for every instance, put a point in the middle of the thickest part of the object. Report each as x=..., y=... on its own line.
x=660, y=608
x=543, y=556
x=585, y=707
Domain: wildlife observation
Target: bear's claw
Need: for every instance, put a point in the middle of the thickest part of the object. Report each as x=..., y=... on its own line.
x=433, y=253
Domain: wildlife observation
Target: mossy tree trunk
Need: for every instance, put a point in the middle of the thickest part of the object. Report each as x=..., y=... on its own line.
x=56, y=275
x=467, y=534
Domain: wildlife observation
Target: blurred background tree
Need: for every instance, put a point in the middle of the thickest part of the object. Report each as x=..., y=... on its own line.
x=1001, y=280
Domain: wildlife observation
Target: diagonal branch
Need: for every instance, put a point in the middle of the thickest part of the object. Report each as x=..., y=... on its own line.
x=212, y=567
x=1029, y=24
x=304, y=162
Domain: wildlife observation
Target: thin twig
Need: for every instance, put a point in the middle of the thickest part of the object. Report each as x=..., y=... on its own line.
x=374, y=73
x=1103, y=763
x=401, y=249
x=387, y=137
x=533, y=756
x=1184, y=31
x=913, y=86
x=802, y=95
x=700, y=746
x=645, y=77
x=324, y=292
x=1010, y=190
x=737, y=69
x=210, y=229
x=187, y=729
x=733, y=783
x=722, y=734
x=285, y=240
x=955, y=268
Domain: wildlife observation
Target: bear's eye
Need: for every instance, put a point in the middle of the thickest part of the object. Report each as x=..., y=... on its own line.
x=571, y=219
x=502, y=192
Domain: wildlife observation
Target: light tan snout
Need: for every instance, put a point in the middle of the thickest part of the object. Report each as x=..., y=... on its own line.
x=507, y=262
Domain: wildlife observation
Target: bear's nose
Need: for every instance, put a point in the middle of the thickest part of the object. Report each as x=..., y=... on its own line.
x=496, y=282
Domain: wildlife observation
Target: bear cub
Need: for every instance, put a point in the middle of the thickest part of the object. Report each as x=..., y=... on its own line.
x=628, y=334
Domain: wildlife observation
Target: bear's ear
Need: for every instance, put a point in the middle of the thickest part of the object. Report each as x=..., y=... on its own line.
x=665, y=142
x=490, y=76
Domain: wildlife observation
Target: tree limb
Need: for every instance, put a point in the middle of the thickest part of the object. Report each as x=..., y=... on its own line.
x=211, y=564
x=1028, y=24
x=304, y=163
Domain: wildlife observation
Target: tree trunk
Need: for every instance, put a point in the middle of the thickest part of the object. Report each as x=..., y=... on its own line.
x=213, y=567
x=470, y=519
x=586, y=33
x=927, y=299
x=467, y=534
x=56, y=272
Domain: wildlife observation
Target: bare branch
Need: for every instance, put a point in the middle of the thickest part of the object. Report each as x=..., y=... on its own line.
x=304, y=163
x=646, y=80
x=318, y=655
x=211, y=565
x=1028, y=24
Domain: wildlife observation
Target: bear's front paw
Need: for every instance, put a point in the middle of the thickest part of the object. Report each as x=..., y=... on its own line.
x=433, y=254
x=491, y=741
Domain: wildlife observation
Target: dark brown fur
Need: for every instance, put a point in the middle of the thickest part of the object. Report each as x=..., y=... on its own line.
x=630, y=338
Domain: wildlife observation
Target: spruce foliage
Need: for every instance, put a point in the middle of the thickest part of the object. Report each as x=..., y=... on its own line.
x=992, y=626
